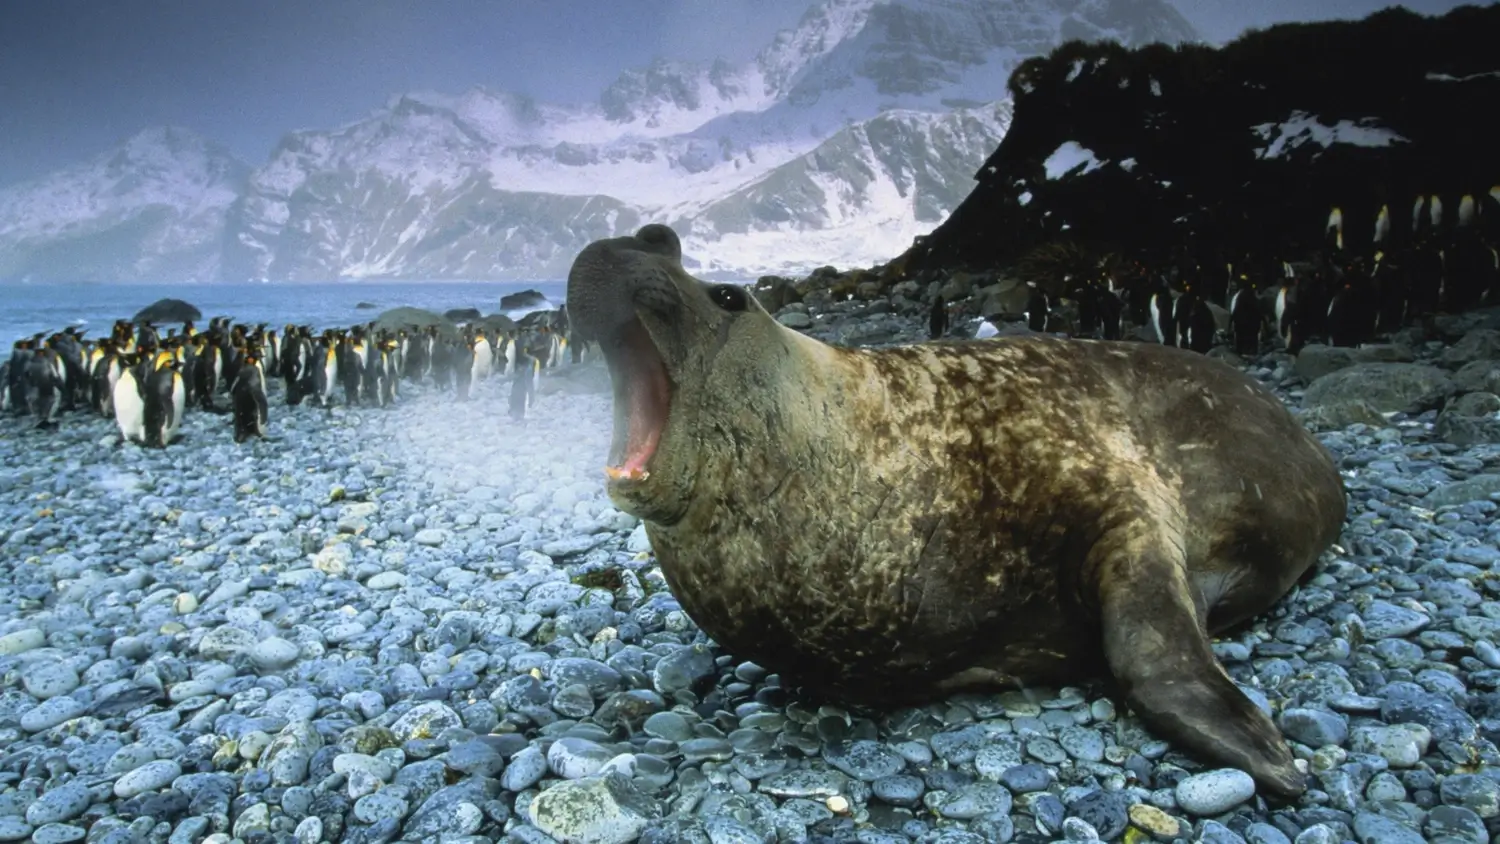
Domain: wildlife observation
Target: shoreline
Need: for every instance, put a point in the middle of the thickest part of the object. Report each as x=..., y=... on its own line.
x=412, y=623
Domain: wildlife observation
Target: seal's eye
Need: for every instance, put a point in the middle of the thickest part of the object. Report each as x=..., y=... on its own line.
x=729, y=297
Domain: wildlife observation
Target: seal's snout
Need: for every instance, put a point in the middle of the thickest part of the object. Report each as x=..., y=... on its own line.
x=610, y=282
x=611, y=277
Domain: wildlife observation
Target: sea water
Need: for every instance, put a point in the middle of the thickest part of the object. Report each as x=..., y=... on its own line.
x=28, y=309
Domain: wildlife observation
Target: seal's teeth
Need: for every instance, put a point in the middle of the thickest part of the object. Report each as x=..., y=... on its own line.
x=616, y=473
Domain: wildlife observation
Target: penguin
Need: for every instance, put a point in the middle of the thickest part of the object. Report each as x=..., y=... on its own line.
x=1202, y=328
x=1343, y=316
x=292, y=367
x=1111, y=315
x=482, y=362
x=247, y=397
x=541, y=346
x=352, y=355
x=577, y=346
x=45, y=378
x=129, y=399
x=1162, y=311
x=444, y=358
x=510, y=354
x=1382, y=226
x=1285, y=312
x=1424, y=278
x=414, y=362
x=1194, y=321
x=15, y=380
x=1245, y=319
x=146, y=337
x=1334, y=231
x=1088, y=310
x=523, y=386
x=382, y=371
x=1392, y=293
x=207, y=363
x=323, y=371
x=1038, y=309
x=70, y=353
x=463, y=368
x=165, y=400
x=102, y=359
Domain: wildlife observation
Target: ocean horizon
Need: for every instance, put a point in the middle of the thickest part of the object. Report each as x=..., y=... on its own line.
x=28, y=309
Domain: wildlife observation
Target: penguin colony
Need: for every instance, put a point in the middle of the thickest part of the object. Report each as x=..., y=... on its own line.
x=146, y=382
x=1402, y=266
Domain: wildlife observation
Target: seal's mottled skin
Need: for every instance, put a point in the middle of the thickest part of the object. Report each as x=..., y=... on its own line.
x=888, y=525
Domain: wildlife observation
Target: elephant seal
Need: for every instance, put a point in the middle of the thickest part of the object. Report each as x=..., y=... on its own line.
x=885, y=526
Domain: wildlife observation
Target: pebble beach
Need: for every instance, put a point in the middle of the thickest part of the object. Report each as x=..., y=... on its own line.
x=428, y=623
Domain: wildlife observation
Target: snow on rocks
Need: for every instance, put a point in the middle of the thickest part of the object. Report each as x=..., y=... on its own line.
x=1071, y=159
x=429, y=623
x=1303, y=128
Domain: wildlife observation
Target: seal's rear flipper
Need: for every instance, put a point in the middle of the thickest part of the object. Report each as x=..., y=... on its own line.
x=1158, y=653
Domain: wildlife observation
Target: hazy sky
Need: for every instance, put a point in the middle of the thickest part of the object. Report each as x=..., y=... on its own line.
x=78, y=76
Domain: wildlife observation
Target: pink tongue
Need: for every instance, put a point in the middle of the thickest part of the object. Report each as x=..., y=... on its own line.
x=645, y=430
x=649, y=396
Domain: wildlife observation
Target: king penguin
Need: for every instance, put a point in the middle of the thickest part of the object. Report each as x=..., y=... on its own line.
x=247, y=397
x=524, y=385
x=129, y=398
x=165, y=400
x=46, y=376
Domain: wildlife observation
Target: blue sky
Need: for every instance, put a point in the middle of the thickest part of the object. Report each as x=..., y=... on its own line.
x=77, y=76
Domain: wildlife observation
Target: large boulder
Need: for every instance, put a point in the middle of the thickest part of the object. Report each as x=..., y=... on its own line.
x=1316, y=360
x=496, y=324
x=167, y=310
x=462, y=314
x=524, y=299
x=1384, y=387
x=1470, y=419
x=409, y=318
x=1477, y=345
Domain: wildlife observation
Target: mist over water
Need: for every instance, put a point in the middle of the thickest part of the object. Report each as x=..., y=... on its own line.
x=28, y=309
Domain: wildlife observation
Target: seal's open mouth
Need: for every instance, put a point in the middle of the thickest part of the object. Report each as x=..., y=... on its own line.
x=643, y=398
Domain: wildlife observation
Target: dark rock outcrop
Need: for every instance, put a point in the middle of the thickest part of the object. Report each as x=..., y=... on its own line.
x=1244, y=148
x=410, y=318
x=462, y=314
x=524, y=299
x=167, y=310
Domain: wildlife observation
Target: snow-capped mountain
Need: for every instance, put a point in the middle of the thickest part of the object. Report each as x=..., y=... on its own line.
x=152, y=208
x=842, y=139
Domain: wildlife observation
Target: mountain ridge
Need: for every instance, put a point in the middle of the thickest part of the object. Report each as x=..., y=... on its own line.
x=492, y=184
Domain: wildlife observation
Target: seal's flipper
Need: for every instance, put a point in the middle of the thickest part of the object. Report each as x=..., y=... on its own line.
x=1158, y=653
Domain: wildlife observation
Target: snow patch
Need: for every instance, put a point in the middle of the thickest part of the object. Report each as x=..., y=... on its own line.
x=1076, y=71
x=1127, y=164
x=1302, y=127
x=1069, y=157
x=1024, y=198
x=1448, y=77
